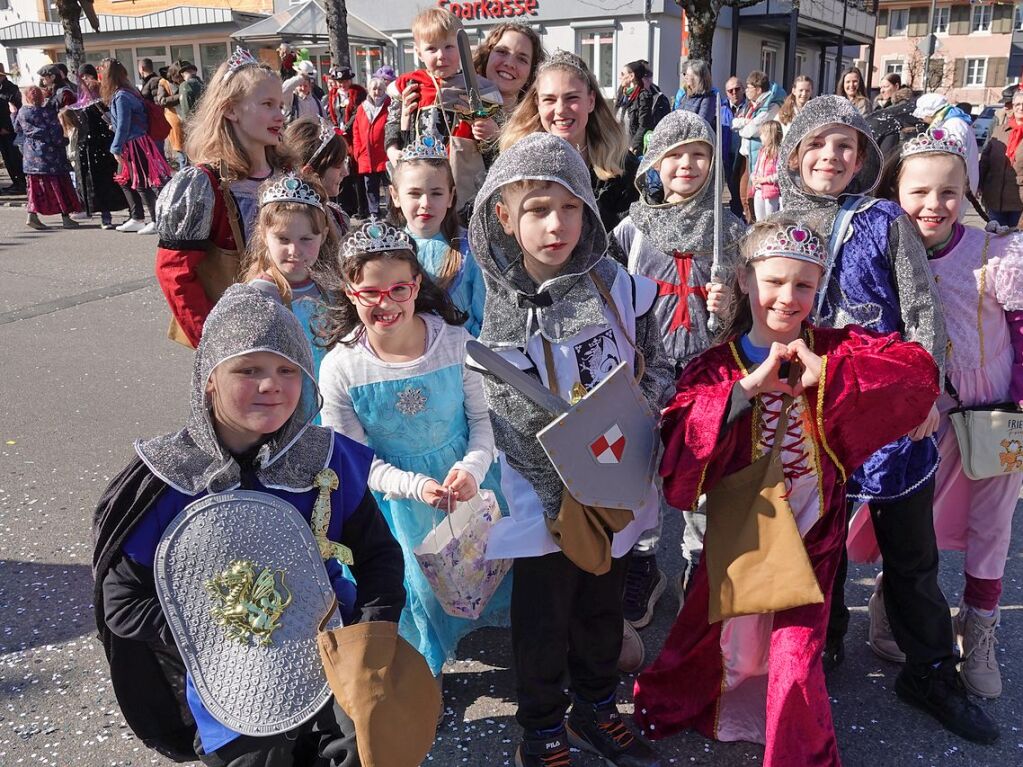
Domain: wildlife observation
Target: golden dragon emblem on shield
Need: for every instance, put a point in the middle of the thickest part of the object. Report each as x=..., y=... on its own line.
x=248, y=602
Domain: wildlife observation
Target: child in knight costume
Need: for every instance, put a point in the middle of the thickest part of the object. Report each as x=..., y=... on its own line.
x=877, y=277
x=669, y=237
x=558, y=309
x=252, y=403
x=756, y=674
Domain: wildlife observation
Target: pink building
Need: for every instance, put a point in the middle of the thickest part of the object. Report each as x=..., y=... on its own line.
x=972, y=47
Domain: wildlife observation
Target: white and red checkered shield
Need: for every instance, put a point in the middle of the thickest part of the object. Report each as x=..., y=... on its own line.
x=605, y=447
x=608, y=448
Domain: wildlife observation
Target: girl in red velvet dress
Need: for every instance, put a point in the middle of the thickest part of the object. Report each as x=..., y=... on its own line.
x=759, y=678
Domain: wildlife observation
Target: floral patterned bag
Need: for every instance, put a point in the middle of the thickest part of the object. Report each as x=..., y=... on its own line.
x=453, y=557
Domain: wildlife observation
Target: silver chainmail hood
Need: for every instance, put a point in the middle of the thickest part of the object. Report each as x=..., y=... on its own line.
x=192, y=460
x=819, y=211
x=687, y=225
x=561, y=306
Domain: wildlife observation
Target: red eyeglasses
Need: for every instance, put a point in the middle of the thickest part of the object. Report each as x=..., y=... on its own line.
x=399, y=292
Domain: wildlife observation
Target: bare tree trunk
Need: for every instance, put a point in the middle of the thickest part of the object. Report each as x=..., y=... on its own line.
x=702, y=19
x=337, y=31
x=70, y=19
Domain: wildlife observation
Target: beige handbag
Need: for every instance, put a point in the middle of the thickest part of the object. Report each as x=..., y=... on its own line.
x=990, y=437
x=756, y=560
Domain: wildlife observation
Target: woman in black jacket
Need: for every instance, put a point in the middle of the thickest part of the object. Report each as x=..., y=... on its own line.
x=634, y=105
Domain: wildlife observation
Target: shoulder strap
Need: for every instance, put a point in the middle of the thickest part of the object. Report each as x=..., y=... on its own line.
x=605, y=294
x=839, y=230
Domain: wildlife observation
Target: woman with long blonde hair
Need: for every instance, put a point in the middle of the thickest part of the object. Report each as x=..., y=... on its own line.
x=565, y=101
x=208, y=210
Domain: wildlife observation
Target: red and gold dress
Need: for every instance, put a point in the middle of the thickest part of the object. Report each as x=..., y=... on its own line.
x=759, y=678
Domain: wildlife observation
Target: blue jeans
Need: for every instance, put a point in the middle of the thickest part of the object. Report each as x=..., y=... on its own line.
x=1005, y=217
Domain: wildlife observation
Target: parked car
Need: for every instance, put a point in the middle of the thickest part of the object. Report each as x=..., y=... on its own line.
x=983, y=122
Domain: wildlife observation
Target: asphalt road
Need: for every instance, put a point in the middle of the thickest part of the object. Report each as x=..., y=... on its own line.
x=85, y=369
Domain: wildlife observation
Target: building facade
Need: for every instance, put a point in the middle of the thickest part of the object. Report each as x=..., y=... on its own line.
x=161, y=30
x=976, y=48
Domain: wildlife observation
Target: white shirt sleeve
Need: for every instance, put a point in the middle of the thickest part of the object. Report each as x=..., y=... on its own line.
x=339, y=413
x=481, y=451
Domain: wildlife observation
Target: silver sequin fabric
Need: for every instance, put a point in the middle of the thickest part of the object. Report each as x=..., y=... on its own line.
x=184, y=209
x=192, y=460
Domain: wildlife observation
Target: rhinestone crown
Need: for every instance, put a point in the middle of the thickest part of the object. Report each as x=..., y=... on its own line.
x=290, y=188
x=327, y=134
x=240, y=59
x=934, y=140
x=425, y=147
x=376, y=237
x=799, y=242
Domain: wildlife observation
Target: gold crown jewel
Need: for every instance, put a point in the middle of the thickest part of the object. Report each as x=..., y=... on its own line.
x=376, y=237
x=798, y=242
x=426, y=147
x=239, y=59
x=934, y=140
x=290, y=188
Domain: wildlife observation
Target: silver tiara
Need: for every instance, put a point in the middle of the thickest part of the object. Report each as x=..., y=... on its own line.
x=934, y=140
x=376, y=237
x=239, y=59
x=426, y=147
x=799, y=242
x=290, y=188
x=562, y=58
x=327, y=134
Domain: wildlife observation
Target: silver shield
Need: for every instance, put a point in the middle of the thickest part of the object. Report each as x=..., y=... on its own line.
x=604, y=448
x=252, y=688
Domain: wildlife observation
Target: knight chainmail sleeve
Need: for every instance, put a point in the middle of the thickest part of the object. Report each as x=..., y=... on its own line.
x=919, y=304
x=393, y=134
x=658, y=383
x=516, y=421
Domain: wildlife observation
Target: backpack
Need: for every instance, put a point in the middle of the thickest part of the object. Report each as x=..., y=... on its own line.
x=660, y=107
x=159, y=128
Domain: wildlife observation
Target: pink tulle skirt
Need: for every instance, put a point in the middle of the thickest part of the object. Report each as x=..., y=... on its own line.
x=52, y=193
x=144, y=166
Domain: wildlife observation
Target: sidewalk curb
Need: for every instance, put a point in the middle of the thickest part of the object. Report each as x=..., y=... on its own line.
x=13, y=203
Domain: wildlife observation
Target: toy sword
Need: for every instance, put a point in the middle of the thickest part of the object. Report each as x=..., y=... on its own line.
x=477, y=109
x=719, y=195
x=523, y=383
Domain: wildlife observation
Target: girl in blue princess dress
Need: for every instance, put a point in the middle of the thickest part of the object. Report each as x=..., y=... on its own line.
x=423, y=201
x=395, y=380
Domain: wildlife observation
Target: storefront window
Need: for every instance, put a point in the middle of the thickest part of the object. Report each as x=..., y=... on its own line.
x=408, y=57
x=95, y=57
x=126, y=57
x=596, y=47
x=212, y=55
x=366, y=59
x=182, y=53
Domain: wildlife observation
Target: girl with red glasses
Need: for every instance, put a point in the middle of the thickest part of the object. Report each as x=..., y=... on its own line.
x=395, y=380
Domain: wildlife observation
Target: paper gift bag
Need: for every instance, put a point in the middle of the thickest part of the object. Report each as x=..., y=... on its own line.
x=453, y=557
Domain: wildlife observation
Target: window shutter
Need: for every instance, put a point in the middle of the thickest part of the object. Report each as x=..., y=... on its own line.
x=882, y=24
x=1001, y=21
x=997, y=72
x=959, y=20
x=918, y=22
x=960, y=74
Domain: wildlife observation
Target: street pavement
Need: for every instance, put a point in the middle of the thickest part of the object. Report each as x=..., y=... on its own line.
x=85, y=369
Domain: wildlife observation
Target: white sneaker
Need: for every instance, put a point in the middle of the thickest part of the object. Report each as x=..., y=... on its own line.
x=149, y=228
x=132, y=225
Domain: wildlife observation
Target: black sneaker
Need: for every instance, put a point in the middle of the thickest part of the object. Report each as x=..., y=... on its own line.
x=644, y=584
x=544, y=748
x=598, y=728
x=941, y=694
